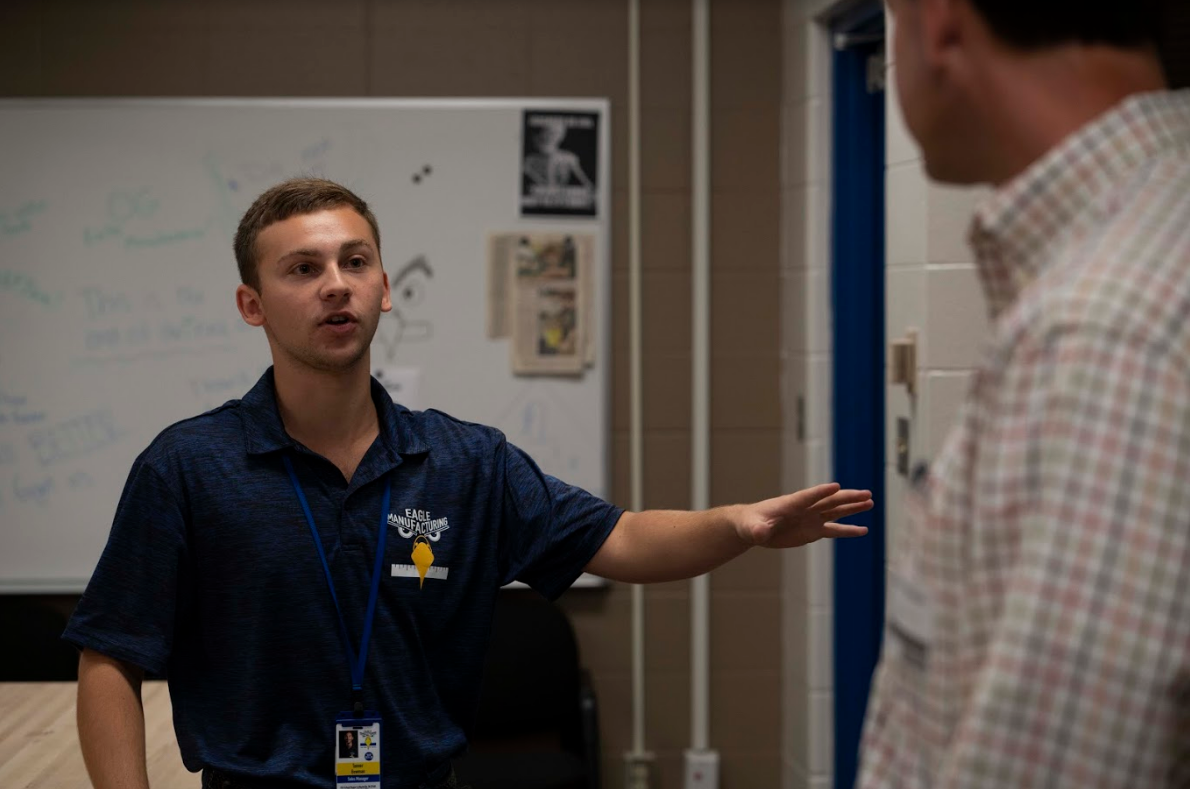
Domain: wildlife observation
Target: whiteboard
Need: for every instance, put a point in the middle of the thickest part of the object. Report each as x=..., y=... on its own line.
x=117, y=284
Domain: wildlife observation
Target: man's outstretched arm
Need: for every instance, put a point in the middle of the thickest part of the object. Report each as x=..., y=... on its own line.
x=668, y=545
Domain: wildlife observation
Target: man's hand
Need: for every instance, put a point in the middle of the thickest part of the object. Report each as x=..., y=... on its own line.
x=803, y=517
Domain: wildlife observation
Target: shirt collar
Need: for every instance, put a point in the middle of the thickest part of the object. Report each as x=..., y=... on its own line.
x=264, y=431
x=1013, y=230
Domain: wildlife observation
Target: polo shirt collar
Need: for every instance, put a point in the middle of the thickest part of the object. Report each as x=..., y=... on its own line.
x=264, y=432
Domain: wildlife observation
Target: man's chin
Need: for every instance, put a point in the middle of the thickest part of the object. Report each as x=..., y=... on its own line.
x=955, y=166
x=343, y=362
x=952, y=173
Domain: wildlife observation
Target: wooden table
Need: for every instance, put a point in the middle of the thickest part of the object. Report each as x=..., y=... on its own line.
x=39, y=742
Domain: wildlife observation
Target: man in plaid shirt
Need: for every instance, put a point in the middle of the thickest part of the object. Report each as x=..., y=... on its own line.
x=1038, y=625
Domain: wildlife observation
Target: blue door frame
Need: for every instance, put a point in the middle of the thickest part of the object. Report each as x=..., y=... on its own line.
x=857, y=301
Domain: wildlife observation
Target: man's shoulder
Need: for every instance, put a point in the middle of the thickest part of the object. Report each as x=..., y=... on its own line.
x=1099, y=317
x=440, y=430
x=208, y=434
x=1143, y=219
x=1128, y=274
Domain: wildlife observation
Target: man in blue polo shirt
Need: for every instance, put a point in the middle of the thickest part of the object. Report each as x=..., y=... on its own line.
x=314, y=559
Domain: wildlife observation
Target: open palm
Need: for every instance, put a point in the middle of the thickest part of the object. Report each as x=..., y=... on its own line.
x=804, y=517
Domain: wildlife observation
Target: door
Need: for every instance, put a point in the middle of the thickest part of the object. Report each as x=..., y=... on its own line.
x=857, y=296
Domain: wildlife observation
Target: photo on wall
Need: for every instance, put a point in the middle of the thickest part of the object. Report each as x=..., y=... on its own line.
x=540, y=291
x=559, y=163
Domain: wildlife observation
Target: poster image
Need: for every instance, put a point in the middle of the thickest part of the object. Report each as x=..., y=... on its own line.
x=540, y=297
x=559, y=163
x=557, y=321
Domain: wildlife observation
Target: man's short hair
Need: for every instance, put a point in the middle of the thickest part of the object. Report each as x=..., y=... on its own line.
x=291, y=198
x=1033, y=24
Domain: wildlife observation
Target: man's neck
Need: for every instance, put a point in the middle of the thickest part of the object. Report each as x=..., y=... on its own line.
x=331, y=412
x=1055, y=93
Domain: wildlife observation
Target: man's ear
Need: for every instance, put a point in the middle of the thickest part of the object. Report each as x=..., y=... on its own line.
x=386, y=303
x=942, y=28
x=248, y=302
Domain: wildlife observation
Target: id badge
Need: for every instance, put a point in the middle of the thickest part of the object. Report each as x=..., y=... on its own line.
x=357, y=750
x=910, y=618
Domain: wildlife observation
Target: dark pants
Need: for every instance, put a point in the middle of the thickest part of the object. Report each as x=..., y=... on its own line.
x=213, y=779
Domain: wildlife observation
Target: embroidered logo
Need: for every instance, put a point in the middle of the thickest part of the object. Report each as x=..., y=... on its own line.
x=418, y=523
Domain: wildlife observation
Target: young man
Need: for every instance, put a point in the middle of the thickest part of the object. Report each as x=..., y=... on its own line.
x=347, y=746
x=1039, y=600
x=250, y=557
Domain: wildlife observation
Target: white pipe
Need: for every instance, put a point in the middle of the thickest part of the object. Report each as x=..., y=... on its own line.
x=636, y=400
x=700, y=429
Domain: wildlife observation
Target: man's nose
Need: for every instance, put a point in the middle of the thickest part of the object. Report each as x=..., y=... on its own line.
x=335, y=283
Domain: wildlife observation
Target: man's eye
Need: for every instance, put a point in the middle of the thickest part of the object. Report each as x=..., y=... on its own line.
x=356, y=263
x=302, y=268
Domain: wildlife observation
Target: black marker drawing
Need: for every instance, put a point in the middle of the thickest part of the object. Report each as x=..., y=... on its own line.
x=403, y=324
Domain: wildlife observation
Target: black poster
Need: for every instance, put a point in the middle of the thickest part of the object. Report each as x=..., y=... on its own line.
x=559, y=163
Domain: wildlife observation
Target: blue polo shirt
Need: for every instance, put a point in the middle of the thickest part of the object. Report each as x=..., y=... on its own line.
x=210, y=578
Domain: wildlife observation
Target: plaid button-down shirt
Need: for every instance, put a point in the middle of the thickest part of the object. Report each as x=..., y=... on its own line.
x=1050, y=543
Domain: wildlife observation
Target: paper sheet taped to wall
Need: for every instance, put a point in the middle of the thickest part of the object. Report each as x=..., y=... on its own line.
x=540, y=296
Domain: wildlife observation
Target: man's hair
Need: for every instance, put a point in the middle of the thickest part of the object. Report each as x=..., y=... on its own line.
x=291, y=198
x=1033, y=24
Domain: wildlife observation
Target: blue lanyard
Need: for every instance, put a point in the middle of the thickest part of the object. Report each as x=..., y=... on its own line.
x=356, y=663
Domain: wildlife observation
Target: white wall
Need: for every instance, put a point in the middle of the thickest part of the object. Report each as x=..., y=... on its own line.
x=807, y=743
x=931, y=286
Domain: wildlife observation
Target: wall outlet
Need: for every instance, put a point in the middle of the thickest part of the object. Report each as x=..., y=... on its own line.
x=702, y=770
x=638, y=770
